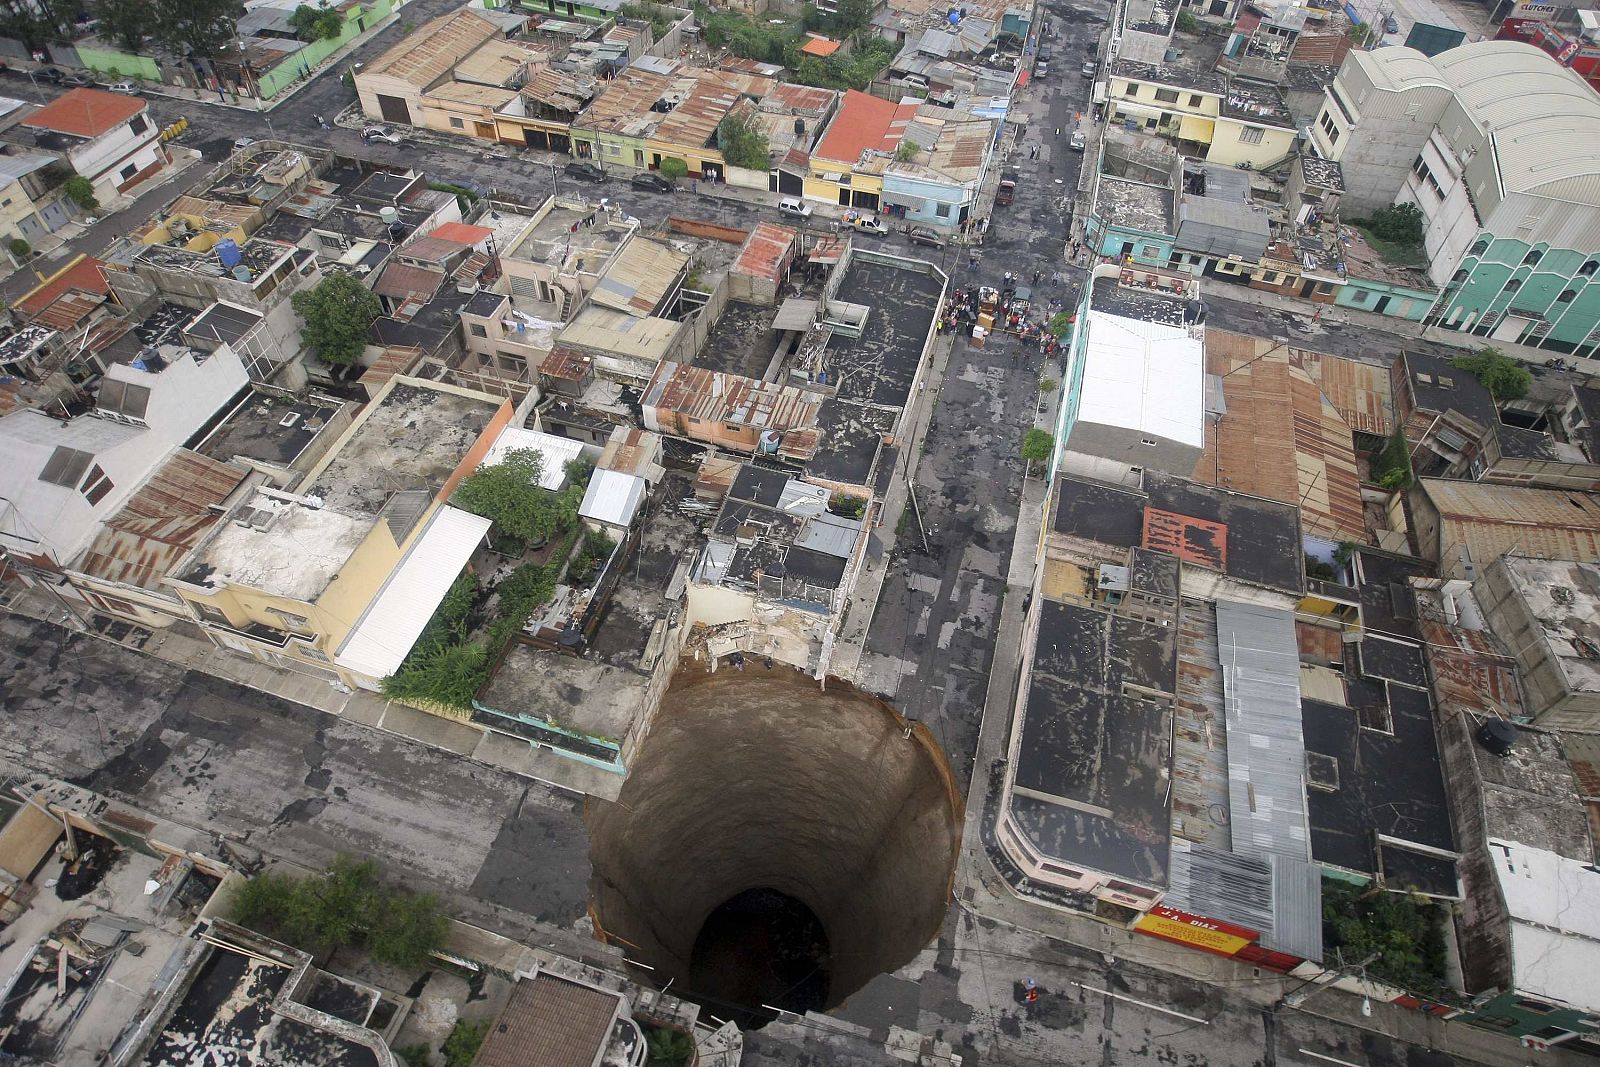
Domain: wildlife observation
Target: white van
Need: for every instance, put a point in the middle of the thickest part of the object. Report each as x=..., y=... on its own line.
x=794, y=208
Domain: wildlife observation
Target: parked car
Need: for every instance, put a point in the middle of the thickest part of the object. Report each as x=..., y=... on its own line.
x=794, y=208
x=1041, y=68
x=77, y=80
x=125, y=88
x=1077, y=143
x=386, y=134
x=870, y=224
x=1089, y=68
x=921, y=235
x=585, y=171
x=243, y=142
x=651, y=183
x=1390, y=24
x=1008, y=188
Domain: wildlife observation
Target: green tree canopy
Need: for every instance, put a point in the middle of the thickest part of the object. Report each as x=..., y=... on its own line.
x=80, y=191
x=345, y=906
x=1397, y=223
x=852, y=16
x=338, y=314
x=672, y=168
x=509, y=493
x=1037, y=446
x=126, y=22
x=1504, y=377
x=742, y=141
x=202, y=28
x=316, y=23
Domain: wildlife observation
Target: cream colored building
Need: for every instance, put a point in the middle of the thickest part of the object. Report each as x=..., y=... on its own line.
x=340, y=576
x=1230, y=121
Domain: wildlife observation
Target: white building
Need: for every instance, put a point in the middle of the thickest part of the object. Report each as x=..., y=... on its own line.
x=108, y=138
x=1135, y=388
x=63, y=476
x=1498, y=145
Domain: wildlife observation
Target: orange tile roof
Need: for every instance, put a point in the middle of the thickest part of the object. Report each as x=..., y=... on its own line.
x=462, y=233
x=85, y=112
x=765, y=252
x=819, y=46
x=864, y=121
x=85, y=274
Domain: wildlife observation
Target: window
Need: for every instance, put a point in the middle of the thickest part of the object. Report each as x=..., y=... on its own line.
x=1329, y=127
x=127, y=173
x=290, y=619
x=1149, y=251
x=208, y=613
x=1460, y=275
x=1133, y=90
x=733, y=427
x=1151, y=441
x=1567, y=297
x=1532, y=257
x=1588, y=269
x=96, y=485
x=613, y=150
x=477, y=330
x=313, y=653
x=1167, y=96
x=1513, y=285
x=456, y=123
x=1270, y=276
x=942, y=210
x=638, y=157
x=1251, y=135
x=1194, y=100
x=1479, y=248
x=110, y=603
x=1358, y=296
x=139, y=124
x=1534, y=1007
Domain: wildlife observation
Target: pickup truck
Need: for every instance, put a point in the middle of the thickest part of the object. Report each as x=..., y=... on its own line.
x=1008, y=188
x=869, y=224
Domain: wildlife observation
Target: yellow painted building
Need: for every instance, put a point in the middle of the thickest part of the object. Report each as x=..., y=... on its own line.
x=1234, y=121
x=295, y=579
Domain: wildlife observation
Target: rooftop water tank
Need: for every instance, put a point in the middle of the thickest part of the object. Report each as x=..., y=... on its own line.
x=1498, y=736
x=228, y=253
x=389, y=215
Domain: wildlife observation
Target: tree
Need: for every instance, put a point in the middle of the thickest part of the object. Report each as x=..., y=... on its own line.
x=669, y=1047
x=80, y=191
x=200, y=29
x=316, y=23
x=906, y=152
x=1037, y=447
x=509, y=493
x=1504, y=377
x=461, y=1047
x=672, y=168
x=337, y=315
x=20, y=248
x=126, y=22
x=852, y=17
x=345, y=906
x=742, y=141
x=1400, y=224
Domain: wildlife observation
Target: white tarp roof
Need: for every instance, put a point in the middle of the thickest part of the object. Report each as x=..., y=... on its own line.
x=613, y=497
x=384, y=634
x=557, y=453
x=1145, y=376
x=1554, y=903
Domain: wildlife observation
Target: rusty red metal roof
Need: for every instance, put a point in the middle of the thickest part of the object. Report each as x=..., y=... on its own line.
x=717, y=397
x=401, y=280
x=1193, y=540
x=766, y=252
x=85, y=274
x=462, y=233
x=567, y=364
x=162, y=521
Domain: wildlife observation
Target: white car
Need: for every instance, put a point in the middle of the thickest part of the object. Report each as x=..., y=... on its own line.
x=1077, y=143
x=386, y=134
x=243, y=142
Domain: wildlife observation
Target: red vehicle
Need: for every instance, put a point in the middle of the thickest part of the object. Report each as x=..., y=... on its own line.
x=1008, y=188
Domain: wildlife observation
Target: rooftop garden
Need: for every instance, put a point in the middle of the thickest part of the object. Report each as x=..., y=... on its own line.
x=1402, y=933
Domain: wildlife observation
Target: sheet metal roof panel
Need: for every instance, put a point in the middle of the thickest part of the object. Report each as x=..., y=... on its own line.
x=1266, y=748
x=555, y=452
x=613, y=497
x=387, y=630
x=1554, y=903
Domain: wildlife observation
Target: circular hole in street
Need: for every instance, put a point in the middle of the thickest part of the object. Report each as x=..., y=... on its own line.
x=775, y=845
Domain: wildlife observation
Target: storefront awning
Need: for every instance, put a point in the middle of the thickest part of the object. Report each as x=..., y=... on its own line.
x=910, y=203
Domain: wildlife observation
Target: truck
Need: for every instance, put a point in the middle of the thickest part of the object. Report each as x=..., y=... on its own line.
x=1008, y=188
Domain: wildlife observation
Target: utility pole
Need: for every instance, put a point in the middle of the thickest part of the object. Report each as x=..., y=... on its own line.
x=1295, y=997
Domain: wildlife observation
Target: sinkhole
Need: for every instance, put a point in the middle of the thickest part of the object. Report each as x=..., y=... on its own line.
x=775, y=845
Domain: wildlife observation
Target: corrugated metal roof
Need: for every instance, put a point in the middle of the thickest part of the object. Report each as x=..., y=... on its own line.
x=1266, y=749
x=1278, y=897
x=556, y=453
x=764, y=252
x=434, y=49
x=386, y=631
x=612, y=497
x=162, y=521
x=639, y=276
x=831, y=535
x=719, y=397
x=400, y=280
